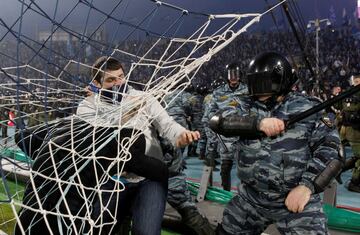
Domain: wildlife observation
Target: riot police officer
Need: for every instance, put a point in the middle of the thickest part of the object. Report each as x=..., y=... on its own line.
x=226, y=98
x=282, y=171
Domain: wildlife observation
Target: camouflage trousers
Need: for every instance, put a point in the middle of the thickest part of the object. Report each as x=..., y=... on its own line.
x=178, y=193
x=353, y=136
x=249, y=213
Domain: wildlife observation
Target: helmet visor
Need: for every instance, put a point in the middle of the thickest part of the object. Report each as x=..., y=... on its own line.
x=234, y=75
x=260, y=84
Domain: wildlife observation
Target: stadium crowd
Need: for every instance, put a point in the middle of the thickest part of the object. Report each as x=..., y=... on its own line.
x=339, y=56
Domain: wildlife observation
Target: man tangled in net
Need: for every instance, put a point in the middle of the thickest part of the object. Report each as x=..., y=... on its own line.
x=75, y=161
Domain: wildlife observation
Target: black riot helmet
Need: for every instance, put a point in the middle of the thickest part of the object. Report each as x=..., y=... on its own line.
x=234, y=73
x=270, y=73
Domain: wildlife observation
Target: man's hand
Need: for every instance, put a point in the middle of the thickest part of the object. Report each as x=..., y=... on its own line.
x=186, y=138
x=272, y=126
x=297, y=199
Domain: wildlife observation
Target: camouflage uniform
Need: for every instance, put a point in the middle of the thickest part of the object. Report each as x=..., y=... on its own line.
x=178, y=193
x=225, y=100
x=178, y=107
x=270, y=167
x=196, y=102
x=350, y=131
x=211, y=144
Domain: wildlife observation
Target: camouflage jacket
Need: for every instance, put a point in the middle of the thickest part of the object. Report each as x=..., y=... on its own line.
x=178, y=107
x=278, y=164
x=224, y=99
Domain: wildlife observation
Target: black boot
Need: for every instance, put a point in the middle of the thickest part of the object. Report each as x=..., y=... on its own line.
x=193, y=219
x=225, y=173
x=354, y=185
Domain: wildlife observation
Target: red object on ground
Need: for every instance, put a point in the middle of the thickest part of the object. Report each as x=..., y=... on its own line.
x=11, y=119
x=356, y=209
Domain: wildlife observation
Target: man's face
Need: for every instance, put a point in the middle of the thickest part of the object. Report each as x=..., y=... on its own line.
x=112, y=78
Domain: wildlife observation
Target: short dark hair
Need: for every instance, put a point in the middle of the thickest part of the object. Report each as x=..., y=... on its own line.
x=104, y=63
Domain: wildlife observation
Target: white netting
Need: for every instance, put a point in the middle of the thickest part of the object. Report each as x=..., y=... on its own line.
x=42, y=82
